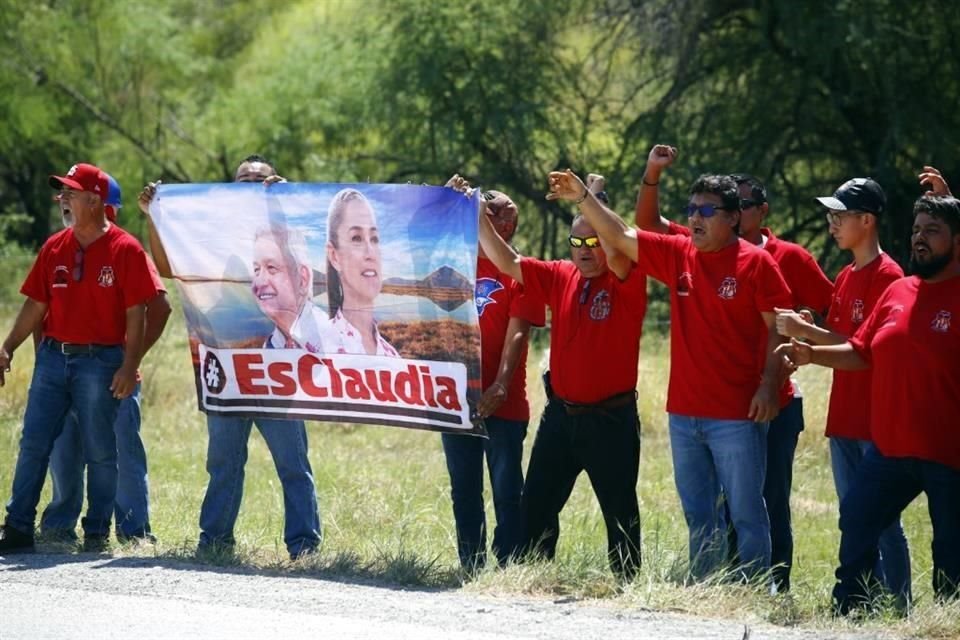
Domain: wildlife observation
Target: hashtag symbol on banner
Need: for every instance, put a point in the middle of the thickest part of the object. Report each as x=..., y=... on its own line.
x=213, y=374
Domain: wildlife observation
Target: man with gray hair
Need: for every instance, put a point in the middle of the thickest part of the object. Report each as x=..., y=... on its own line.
x=282, y=285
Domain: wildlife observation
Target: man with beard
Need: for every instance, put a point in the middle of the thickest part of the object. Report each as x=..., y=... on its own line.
x=912, y=343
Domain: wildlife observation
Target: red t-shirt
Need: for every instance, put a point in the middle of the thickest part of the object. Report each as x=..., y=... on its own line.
x=912, y=341
x=499, y=298
x=810, y=286
x=596, y=326
x=854, y=298
x=796, y=269
x=808, y=283
x=718, y=336
x=116, y=276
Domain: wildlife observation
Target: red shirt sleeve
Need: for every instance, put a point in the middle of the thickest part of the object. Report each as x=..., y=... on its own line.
x=35, y=284
x=538, y=279
x=656, y=254
x=526, y=307
x=155, y=276
x=886, y=275
x=138, y=285
x=771, y=288
x=838, y=285
x=810, y=285
x=677, y=229
x=635, y=285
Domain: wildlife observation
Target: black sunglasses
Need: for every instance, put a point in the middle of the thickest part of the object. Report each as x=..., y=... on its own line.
x=746, y=203
x=705, y=210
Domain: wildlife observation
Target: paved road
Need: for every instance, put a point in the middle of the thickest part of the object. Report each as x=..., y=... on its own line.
x=83, y=596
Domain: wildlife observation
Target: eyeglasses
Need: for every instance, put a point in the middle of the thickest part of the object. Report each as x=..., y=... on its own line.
x=591, y=242
x=836, y=218
x=747, y=203
x=78, y=265
x=705, y=210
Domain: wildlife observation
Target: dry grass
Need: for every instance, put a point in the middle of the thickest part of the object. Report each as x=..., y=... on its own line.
x=384, y=500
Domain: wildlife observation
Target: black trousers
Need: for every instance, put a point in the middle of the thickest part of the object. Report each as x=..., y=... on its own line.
x=606, y=444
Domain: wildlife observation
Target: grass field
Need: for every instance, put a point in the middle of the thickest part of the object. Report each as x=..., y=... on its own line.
x=384, y=501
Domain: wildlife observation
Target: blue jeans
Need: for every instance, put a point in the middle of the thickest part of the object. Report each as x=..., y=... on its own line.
x=66, y=474
x=893, y=567
x=226, y=457
x=781, y=446
x=709, y=454
x=881, y=490
x=63, y=384
x=504, y=453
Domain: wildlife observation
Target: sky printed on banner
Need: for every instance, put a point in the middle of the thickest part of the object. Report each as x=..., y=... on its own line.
x=421, y=228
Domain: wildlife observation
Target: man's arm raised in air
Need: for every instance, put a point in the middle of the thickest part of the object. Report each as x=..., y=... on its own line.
x=156, y=247
x=500, y=253
x=648, y=198
x=618, y=263
x=565, y=185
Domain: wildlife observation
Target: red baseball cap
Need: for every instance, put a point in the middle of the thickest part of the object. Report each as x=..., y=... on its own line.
x=83, y=177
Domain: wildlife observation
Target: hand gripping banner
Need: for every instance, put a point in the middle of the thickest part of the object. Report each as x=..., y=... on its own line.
x=333, y=302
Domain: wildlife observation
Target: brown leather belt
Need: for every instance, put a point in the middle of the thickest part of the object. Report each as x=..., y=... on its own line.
x=613, y=402
x=73, y=349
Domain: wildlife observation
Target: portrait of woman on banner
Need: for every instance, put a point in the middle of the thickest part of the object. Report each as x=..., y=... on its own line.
x=354, y=276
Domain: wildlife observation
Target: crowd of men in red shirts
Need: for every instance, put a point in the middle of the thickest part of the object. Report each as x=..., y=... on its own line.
x=747, y=308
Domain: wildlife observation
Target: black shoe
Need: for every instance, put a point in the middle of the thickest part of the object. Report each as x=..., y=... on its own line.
x=96, y=543
x=59, y=536
x=15, y=541
x=137, y=539
x=303, y=552
x=216, y=552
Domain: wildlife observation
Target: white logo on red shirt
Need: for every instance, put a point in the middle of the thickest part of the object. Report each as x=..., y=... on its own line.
x=483, y=292
x=600, y=308
x=857, y=312
x=728, y=288
x=60, y=277
x=941, y=322
x=106, y=278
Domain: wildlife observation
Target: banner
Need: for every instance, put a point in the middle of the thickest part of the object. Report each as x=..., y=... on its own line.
x=334, y=302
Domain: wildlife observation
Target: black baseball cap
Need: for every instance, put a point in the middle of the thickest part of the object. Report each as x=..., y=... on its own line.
x=858, y=194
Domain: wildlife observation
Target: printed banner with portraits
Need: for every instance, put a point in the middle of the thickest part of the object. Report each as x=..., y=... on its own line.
x=331, y=302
